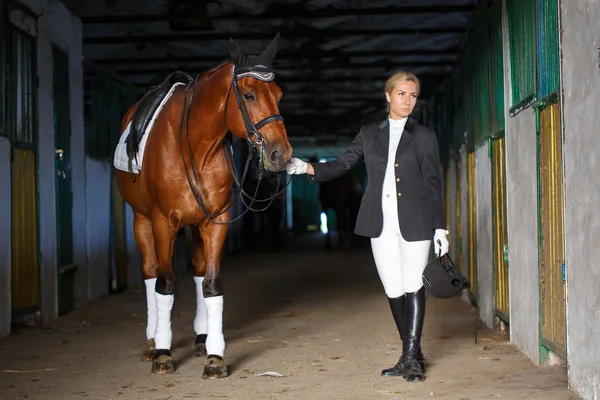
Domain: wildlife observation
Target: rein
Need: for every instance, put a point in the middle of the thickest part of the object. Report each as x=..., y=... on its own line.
x=252, y=129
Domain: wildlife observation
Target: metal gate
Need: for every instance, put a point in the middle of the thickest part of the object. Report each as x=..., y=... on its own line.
x=552, y=253
x=472, y=206
x=64, y=195
x=22, y=132
x=500, y=234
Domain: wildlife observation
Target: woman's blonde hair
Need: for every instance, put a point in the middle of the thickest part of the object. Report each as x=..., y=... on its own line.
x=400, y=76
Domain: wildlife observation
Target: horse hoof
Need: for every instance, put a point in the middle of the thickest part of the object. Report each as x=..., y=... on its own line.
x=214, y=368
x=162, y=363
x=200, y=350
x=200, y=345
x=148, y=350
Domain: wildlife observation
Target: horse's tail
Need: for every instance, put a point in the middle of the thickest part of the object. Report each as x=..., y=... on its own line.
x=182, y=260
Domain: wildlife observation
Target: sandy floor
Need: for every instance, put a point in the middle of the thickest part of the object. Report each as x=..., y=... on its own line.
x=319, y=319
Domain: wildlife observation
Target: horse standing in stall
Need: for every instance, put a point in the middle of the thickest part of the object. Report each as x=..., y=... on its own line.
x=186, y=178
x=342, y=195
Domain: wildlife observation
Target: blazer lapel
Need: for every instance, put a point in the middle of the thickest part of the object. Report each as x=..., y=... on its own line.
x=383, y=140
x=405, y=139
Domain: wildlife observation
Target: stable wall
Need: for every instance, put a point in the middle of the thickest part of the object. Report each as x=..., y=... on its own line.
x=98, y=226
x=58, y=27
x=485, y=264
x=522, y=220
x=581, y=99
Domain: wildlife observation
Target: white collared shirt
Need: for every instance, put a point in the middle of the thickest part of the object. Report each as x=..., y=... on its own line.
x=389, y=195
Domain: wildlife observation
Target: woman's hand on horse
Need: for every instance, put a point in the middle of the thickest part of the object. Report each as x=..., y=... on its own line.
x=298, y=167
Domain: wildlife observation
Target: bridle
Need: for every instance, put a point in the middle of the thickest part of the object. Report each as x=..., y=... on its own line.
x=252, y=131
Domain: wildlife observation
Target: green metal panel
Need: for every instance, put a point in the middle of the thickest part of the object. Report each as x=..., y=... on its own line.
x=481, y=60
x=548, y=71
x=521, y=32
x=64, y=195
x=497, y=67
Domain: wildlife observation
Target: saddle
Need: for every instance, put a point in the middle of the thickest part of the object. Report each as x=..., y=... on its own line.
x=147, y=107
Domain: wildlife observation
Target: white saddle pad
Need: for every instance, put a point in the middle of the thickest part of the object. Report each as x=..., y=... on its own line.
x=121, y=161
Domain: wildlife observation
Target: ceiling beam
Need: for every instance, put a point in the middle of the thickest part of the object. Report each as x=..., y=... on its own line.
x=297, y=55
x=289, y=11
x=316, y=67
x=286, y=34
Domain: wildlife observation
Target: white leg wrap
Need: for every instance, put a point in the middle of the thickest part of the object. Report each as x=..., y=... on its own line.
x=163, y=333
x=201, y=319
x=151, y=303
x=215, y=341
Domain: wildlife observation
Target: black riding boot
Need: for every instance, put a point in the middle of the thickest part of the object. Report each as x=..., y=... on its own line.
x=398, y=307
x=411, y=346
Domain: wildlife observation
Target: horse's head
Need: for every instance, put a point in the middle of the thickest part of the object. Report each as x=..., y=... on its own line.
x=255, y=98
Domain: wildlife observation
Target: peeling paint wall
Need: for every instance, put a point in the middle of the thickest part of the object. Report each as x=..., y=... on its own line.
x=580, y=21
x=485, y=264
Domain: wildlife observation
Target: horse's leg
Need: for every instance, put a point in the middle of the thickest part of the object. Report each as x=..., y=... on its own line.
x=214, y=236
x=164, y=238
x=142, y=229
x=201, y=319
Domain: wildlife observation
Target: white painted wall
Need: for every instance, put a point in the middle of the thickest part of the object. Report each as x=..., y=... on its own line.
x=485, y=264
x=522, y=209
x=580, y=21
x=5, y=234
x=98, y=226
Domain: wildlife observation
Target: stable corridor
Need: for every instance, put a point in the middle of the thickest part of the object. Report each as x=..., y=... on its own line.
x=318, y=318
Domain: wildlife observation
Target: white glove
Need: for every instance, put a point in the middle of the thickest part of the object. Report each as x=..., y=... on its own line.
x=442, y=247
x=296, y=167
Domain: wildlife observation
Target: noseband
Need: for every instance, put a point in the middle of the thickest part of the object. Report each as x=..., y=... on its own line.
x=252, y=129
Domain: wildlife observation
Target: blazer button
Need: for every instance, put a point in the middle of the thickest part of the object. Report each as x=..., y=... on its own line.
x=399, y=194
x=397, y=179
x=396, y=165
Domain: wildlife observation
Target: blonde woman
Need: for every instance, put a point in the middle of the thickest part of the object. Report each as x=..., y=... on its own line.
x=401, y=211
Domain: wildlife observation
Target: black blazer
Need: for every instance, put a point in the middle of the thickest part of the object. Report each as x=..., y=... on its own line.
x=418, y=182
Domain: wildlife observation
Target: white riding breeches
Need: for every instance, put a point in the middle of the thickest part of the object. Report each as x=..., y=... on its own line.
x=400, y=264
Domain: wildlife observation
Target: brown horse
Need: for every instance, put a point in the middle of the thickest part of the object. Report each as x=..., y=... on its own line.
x=186, y=180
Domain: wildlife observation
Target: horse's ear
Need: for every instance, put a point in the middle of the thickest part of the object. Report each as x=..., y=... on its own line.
x=271, y=51
x=235, y=52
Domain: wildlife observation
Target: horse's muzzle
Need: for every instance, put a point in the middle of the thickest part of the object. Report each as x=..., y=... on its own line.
x=277, y=157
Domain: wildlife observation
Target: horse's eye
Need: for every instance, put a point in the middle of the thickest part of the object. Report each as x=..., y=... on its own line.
x=249, y=96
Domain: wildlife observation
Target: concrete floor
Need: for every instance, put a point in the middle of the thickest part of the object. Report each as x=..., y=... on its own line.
x=320, y=319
